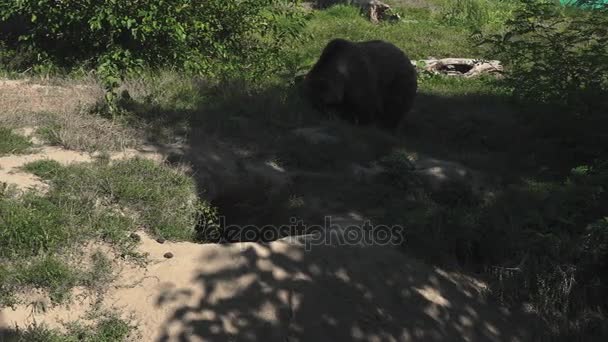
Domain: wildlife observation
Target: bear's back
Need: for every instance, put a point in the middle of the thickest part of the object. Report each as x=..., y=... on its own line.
x=387, y=59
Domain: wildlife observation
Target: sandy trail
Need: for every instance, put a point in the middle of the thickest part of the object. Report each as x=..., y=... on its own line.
x=285, y=291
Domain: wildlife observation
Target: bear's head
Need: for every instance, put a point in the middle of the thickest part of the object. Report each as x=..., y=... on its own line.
x=324, y=91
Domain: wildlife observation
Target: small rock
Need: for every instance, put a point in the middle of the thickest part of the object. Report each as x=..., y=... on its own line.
x=168, y=255
x=160, y=240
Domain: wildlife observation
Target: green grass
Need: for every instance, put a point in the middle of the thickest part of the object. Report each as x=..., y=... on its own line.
x=156, y=196
x=420, y=36
x=53, y=274
x=476, y=14
x=555, y=221
x=109, y=328
x=44, y=168
x=457, y=86
x=431, y=29
x=101, y=200
x=35, y=224
x=11, y=143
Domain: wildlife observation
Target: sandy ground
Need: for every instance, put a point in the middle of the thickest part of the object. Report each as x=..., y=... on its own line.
x=18, y=96
x=286, y=291
x=10, y=165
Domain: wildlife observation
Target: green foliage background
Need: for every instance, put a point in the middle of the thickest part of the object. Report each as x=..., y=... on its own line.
x=114, y=37
x=556, y=55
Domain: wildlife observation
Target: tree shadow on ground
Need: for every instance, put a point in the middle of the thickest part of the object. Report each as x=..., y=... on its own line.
x=248, y=160
x=491, y=134
x=286, y=292
x=8, y=335
x=246, y=157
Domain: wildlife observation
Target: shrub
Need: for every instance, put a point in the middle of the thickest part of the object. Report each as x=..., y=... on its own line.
x=115, y=37
x=12, y=143
x=556, y=55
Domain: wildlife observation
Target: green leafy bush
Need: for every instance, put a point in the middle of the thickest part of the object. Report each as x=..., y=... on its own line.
x=117, y=36
x=556, y=55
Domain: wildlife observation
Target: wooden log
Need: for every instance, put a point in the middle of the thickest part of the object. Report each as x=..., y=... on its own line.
x=466, y=67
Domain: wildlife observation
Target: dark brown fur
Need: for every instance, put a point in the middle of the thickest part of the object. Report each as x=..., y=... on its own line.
x=365, y=82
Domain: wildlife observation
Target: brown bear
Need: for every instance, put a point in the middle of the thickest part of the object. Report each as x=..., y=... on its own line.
x=364, y=82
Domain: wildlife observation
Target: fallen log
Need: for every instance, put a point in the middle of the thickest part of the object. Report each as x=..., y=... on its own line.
x=465, y=67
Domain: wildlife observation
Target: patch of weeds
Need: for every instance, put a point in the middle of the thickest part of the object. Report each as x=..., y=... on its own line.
x=208, y=228
x=7, y=190
x=109, y=328
x=106, y=200
x=11, y=143
x=111, y=227
x=164, y=199
x=36, y=333
x=397, y=166
x=133, y=191
x=54, y=275
x=46, y=168
x=50, y=274
x=100, y=272
x=99, y=200
x=33, y=224
x=544, y=243
x=477, y=14
x=50, y=134
x=7, y=285
x=83, y=131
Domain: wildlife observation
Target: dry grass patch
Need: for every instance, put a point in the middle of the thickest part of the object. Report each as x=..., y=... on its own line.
x=61, y=112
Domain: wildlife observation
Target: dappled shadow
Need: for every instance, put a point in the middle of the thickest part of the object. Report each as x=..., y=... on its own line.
x=8, y=335
x=249, y=162
x=284, y=292
x=247, y=159
x=491, y=134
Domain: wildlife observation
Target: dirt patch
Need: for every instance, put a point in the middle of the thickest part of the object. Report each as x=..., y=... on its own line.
x=22, y=96
x=284, y=291
x=10, y=166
